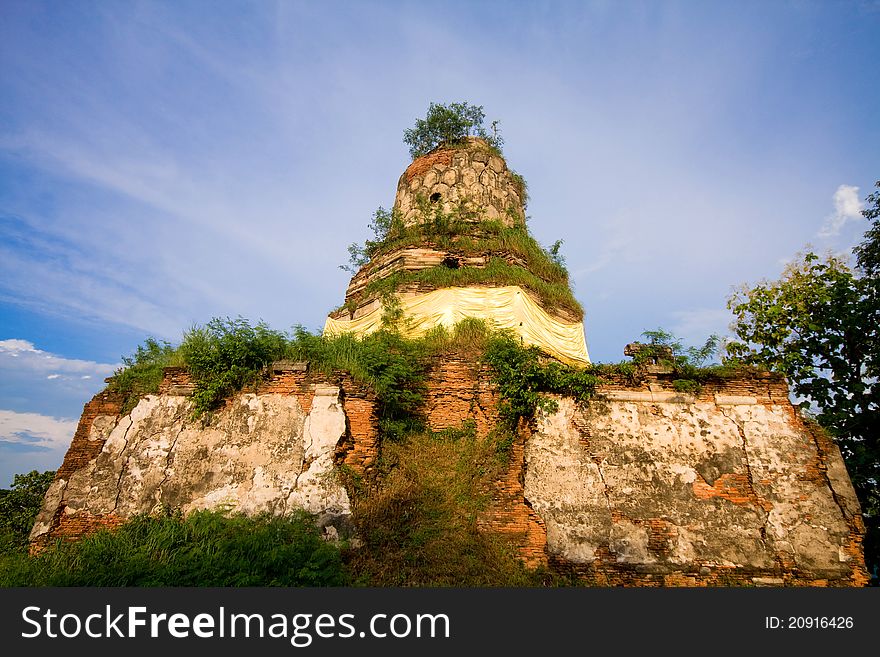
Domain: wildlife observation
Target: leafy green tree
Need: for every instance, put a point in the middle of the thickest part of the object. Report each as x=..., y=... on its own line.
x=868, y=252
x=449, y=124
x=19, y=507
x=818, y=325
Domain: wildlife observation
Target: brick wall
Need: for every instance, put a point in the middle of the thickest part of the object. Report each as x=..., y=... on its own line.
x=82, y=450
x=509, y=513
x=765, y=387
x=459, y=390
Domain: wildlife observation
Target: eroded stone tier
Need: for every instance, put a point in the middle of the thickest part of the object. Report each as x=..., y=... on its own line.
x=410, y=259
x=471, y=172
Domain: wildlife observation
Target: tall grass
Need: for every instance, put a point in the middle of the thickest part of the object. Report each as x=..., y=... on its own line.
x=483, y=237
x=204, y=549
x=419, y=524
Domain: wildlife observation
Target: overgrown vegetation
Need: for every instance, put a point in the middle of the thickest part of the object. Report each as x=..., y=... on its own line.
x=393, y=366
x=418, y=519
x=688, y=365
x=19, y=507
x=496, y=272
x=541, y=271
x=203, y=549
x=449, y=124
x=226, y=355
x=524, y=376
x=523, y=187
x=141, y=372
x=419, y=523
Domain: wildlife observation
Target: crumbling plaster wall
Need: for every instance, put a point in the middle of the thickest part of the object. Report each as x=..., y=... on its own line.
x=274, y=451
x=639, y=491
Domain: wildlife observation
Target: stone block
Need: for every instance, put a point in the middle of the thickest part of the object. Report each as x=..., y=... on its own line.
x=290, y=366
x=735, y=400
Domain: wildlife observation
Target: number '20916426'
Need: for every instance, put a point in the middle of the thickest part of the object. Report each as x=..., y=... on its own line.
x=808, y=622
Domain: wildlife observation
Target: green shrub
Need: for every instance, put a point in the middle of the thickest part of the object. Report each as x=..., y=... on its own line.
x=141, y=373
x=226, y=355
x=385, y=225
x=688, y=386
x=686, y=364
x=393, y=366
x=524, y=376
x=204, y=549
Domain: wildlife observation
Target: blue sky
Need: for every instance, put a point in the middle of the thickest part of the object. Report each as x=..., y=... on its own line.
x=165, y=163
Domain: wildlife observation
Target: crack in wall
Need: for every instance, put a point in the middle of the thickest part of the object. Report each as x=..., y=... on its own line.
x=605, y=489
x=169, y=458
x=823, y=468
x=306, y=462
x=749, y=477
x=124, y=465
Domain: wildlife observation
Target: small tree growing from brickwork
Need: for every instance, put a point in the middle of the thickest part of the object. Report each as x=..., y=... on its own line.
x=450, y=124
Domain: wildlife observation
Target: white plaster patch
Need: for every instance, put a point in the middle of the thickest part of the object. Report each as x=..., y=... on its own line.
x=248, y=458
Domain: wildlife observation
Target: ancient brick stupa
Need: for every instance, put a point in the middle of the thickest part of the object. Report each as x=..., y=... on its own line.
x=643, y=485
x=469, y=183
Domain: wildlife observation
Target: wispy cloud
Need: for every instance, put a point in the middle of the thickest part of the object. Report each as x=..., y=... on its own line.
x=35, y=432
x=847, y=207
x=41, y=393
x=17, y=354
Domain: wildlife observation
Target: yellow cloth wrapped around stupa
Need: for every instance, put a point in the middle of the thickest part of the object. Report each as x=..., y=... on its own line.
x=508, y=307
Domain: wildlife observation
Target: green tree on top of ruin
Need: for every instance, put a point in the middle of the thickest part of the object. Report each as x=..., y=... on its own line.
x=449, y=124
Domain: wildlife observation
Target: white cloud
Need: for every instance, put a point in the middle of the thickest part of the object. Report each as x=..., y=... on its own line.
x=13, y=346
x=160, y=285
x=16, y=354
x=35, y=431
x=847, y=207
